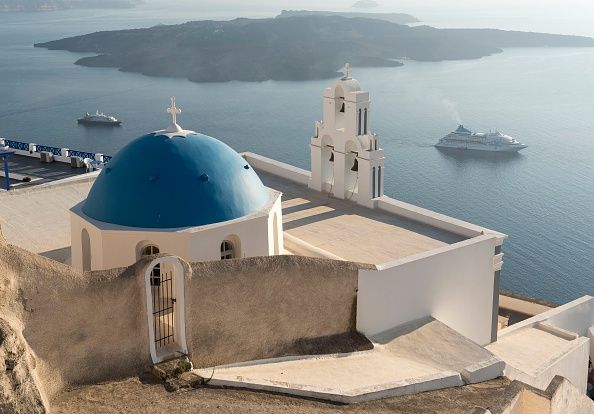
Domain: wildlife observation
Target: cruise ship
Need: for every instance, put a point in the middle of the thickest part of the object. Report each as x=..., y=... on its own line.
x=463, y=138
x=99, y=118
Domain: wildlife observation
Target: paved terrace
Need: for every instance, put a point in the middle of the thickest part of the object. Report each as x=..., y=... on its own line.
x=349, y=231
x=421, y=356
x=37, y=219
x=39, y=172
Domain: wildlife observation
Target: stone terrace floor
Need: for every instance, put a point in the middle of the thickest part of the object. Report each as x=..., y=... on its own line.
x=36, y=218
x=39, y=172
x=350, y=231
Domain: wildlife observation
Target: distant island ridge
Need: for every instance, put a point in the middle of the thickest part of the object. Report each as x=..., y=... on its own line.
x=400, y=18
x=53, y=5
x=294, y=48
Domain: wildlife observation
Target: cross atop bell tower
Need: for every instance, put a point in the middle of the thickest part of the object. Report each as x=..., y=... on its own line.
x=174, y=111
x=346, y=71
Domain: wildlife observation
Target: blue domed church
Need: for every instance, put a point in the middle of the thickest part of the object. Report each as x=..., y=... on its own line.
x=179, y=192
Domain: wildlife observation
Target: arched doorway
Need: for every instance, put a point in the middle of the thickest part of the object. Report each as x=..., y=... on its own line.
x=164, y=281
x=86, y=250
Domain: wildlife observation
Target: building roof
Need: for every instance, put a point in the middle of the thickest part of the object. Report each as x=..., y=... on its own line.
x=349, y=231
x=173, y=179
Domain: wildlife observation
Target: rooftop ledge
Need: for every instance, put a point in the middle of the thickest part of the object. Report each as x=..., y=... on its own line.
x=385, y=204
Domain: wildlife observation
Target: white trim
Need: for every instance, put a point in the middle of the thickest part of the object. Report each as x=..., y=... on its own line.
x=180, y=314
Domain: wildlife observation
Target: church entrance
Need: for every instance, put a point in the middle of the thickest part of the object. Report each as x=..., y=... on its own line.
x=165, y=306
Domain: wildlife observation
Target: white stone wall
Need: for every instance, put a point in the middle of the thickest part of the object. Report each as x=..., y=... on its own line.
x=453, y=284
x=571, y=364
x=576, y=317
x=115, y=246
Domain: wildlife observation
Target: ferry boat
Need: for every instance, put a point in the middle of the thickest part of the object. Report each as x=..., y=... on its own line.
x=463, y=138
x=99, y=118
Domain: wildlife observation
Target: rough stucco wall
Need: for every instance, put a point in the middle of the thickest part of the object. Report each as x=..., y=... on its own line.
x=269, y=307
x=567, y=399
x=20, y=390
x=81, y=328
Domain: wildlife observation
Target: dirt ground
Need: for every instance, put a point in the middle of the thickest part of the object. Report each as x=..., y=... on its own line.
x=146, y=395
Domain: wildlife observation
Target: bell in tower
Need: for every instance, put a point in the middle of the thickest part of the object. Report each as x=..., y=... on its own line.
x=342, y=108
x=355, y=166
x=331, y=157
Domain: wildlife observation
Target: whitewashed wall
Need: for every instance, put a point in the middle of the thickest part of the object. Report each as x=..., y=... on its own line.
x=115, y=246
x=572, y=364
x=576, y=317
x=453, y=284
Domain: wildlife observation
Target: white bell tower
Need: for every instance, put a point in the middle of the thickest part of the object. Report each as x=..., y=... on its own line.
x=346, y=159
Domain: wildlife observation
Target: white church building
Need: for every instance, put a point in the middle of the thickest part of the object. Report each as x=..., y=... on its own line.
x=179, y=192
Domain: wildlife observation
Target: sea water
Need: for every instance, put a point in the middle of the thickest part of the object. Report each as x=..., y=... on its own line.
x=542, y=197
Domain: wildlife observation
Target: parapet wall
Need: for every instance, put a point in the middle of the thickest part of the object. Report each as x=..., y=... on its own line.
x=268, y=307
x=84, y=328
x=452, y=284
x=81, y=328
x=560, y=397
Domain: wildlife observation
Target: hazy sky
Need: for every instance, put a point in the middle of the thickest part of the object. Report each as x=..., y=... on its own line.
x=557, y=16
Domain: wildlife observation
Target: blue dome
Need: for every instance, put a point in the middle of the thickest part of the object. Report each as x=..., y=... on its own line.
x=184, y=181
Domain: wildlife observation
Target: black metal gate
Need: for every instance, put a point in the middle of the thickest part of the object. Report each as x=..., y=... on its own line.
x=163, y=307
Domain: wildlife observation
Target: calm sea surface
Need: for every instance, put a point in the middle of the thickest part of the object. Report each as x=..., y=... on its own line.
x=543, y=197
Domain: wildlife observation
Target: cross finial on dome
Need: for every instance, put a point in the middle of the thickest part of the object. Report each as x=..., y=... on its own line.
x=346, y=70
x=174, y=111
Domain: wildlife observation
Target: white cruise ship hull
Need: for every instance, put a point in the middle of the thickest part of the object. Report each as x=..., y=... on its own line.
x=464, y=139
x=478, y=147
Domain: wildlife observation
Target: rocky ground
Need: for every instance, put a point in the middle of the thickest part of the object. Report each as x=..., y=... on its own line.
x=147, y=395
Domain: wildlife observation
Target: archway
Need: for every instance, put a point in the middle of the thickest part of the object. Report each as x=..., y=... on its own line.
x=339, y=108
x=164, y=282
x=351, y=170
x=230, y=247
x=327, y=167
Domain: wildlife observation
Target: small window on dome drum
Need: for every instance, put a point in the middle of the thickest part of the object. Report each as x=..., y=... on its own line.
x=150, y=250
x=227, y=250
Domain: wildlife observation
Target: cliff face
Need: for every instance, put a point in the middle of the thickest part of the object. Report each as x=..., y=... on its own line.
x=19, y=389
x=53, y=5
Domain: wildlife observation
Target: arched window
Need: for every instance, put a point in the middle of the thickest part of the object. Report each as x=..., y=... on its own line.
x=373, y=181
x=365, y=122
x=149, y=250
x=227, y=250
